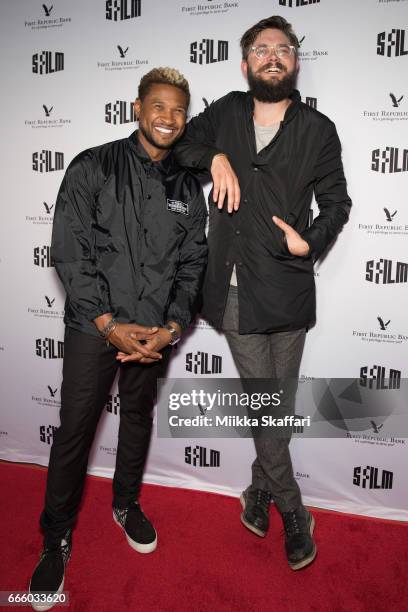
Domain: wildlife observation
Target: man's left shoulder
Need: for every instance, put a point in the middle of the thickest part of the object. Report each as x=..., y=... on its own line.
x=314, y=117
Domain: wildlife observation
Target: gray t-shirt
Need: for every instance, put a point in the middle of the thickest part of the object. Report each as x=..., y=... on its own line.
x=263, y=136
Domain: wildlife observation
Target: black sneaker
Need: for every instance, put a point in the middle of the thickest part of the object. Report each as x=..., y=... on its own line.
x=300, y=547
x=255, y=516
x=140, y=533
x=49, y=574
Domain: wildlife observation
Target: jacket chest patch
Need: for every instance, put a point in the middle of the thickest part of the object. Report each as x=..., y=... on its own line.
x=177, y=206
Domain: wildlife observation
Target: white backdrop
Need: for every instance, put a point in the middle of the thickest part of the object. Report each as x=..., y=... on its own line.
x=354, y=61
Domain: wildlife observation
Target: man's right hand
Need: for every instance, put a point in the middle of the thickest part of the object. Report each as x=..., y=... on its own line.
x=225, y=183
x=127, y=336
x=122, y=339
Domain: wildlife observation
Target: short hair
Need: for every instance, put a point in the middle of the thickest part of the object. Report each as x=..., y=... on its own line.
x=275, y=22
x=166, y=76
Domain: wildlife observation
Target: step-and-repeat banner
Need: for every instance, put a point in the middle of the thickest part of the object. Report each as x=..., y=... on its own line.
x=70, y=71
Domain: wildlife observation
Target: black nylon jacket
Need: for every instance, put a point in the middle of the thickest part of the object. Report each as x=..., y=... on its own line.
x=128, y=237
x=276, y=290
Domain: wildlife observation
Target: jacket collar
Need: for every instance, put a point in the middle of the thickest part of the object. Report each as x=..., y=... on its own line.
x=290, y=111
x=163, y=165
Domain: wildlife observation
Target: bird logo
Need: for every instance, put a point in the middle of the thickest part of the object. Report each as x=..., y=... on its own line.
x=49, y=301
x=122, y=52
x=47, y=10
x=395, y=102
x=202, y=409
x=388, y=215
x=301, y=40
x=48, y=209
x=47, y=111
x=383, y=326
x=206, y=103
x=376, y=428
x=52, y=391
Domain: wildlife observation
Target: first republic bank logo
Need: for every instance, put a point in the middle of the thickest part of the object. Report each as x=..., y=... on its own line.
x=120, y=10
x=48, y=19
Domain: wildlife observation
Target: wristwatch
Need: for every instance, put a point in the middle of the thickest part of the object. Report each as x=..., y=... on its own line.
x=175, y=337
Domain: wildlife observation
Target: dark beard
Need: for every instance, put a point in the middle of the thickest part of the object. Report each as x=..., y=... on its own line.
x=269, y=91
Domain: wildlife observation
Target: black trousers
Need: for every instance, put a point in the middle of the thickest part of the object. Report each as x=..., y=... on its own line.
x=89, y=369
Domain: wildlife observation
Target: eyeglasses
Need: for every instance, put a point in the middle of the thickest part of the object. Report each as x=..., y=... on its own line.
x=265, y=51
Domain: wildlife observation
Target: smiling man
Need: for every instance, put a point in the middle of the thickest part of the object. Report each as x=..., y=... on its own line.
x=268, y=153
x=129, y=246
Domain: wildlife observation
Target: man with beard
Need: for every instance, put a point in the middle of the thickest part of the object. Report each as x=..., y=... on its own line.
x=129, y=246
x=267, y=152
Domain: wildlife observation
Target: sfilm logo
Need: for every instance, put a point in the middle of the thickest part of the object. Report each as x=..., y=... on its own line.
x=312, y=102
x=199, y=456
x=204, y=52
x=42, y=256
x=392, y=43
x=202, y=363
x=49, y=348
x=119, y=112
x=386, y=272
x=113, y=404
x=120, y=10
x=48, y=62
x=371, y=477
x=47, y=433
x=47, y=161
x=389, y=160
x=379, y=377
x=293, y=3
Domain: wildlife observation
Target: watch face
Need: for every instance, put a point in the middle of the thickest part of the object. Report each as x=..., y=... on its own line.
x=174, y=335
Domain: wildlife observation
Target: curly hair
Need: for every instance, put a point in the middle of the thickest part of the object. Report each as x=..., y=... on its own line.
x=166, y=76
x=275, y=22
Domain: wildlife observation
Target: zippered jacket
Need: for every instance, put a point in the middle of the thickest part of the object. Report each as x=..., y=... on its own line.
x=129, y=237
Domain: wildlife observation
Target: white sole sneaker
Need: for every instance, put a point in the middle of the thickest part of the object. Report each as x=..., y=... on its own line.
x=42, y=607
x=141, y=548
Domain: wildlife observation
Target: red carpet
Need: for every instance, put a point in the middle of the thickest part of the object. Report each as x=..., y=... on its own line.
x=205, y=559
